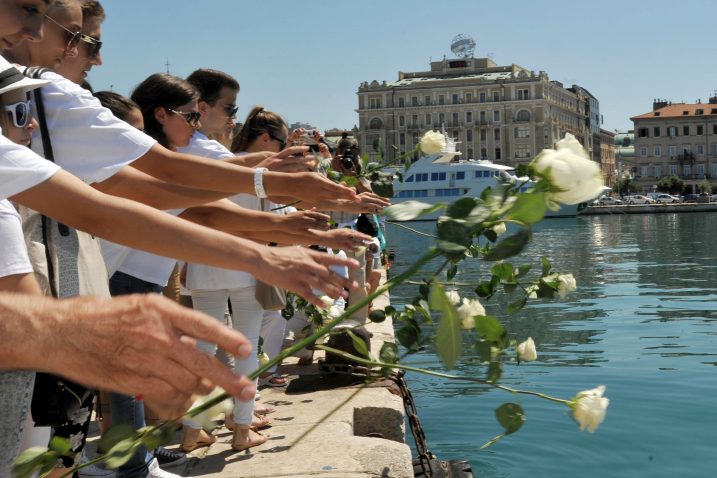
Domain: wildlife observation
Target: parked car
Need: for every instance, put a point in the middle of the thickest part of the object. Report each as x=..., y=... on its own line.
x=606, y=201
x=665, y=198
x=639, y=199
x=691, y=198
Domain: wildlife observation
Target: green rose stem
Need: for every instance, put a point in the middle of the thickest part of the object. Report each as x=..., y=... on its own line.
x=412, y=230
x=376, y=363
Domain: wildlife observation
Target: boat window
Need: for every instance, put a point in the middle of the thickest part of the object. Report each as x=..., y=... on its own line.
x=448, y=192
x=420, y=177
x=420, y=193
x=461, y=175
x=410, y=179
x=405, y=194
x=438, y=176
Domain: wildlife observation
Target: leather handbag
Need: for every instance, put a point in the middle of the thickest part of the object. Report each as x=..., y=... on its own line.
x=270, y=297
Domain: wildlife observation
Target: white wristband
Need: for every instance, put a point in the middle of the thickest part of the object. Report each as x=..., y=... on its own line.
x=259, y=183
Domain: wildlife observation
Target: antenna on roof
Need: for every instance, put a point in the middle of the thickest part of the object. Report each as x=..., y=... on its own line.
x=167, y=65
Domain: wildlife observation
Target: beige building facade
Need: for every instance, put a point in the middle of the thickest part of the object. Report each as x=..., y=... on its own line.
x=506, y=114
x=607, y=157
x=676, y=139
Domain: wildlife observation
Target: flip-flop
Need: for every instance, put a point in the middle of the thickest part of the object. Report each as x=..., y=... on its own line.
x=263, y=410
x=273, y=380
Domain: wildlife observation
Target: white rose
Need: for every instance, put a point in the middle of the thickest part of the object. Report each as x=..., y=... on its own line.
x=499, y=228
x=526, y=350
x=567, y=284
x=453, y=297
x=263, y=359
x=589, y=408
x=205, y=418
x=432, y=142
x=570, y=170
x=467, y=311
x=326, y=302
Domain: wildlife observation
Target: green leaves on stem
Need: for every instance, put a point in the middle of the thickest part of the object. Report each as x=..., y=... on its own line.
x=448, y=335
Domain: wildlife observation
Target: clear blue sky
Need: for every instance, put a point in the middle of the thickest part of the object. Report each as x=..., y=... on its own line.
x=306, y=59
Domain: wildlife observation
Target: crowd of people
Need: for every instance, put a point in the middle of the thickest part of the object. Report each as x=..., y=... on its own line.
x=101, y=195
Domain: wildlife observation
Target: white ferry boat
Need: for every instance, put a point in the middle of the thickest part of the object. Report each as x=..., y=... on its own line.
x=444, y=177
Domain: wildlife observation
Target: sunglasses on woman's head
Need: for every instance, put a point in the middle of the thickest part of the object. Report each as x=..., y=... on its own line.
x=93, y=45
x=191, y=117
x=281, y=141
x=73, y=38
x=20, y=113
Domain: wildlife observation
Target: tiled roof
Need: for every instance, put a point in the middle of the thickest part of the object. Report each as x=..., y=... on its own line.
x=680, y=110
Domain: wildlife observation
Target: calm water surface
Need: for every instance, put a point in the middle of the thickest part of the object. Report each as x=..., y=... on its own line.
x=643, y=322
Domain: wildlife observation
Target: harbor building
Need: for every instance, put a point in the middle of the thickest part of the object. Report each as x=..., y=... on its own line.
x=505, y=114
x=676, y=139
x=607, y=157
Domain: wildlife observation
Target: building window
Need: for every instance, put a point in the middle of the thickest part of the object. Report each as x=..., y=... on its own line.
x=441, y=100
x=700, y=149
x=522, y=151
x=481, y=97
x=375, y=123
x=714, y=149
x=483, y=135
x=469, y=97
x=700, y=130
x=686, y=169
x=454, y=99
x=401, y=120
x=496, y=96
x=656, y=131
x=644, y=171
x=658, y=172
x=673, y=170
x=685, y=130
x=643, y=132
x=460, y=175
x=496, y=115
x=469, y=135
x=482, y=117
x=657, y=151
x=686, y=148
x=374, y=103
x=401, y=103
x=455, y=119
x=469, y=153
x=496, y=134
x=497, y=154
x=643, y=151
x=522, y=133
x=484, y=153
x=700, y=169
x=402, y=138
x=714, y=169
x=714, y=129
x=414, y=100
x=672, y=151
x=428, y=120
x=672, y=131
x=414, y=120
x=523, y=95
x=469, y=117
x=523, y=116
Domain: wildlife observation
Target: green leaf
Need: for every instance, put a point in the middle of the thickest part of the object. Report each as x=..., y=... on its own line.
x=490, y=234
x=510, y=416
x=409, y=210
x=424, y=290
x=509, y=246
x=377, y=316
x=60, y=445
x=116, y=434
x=484, y=289
x=461, y=208
x=522, y=270
x=452, y=271
x=547, y=267
x=383, y=188
x=450, y=247
x=504, y=270
x=489, y=328
x=455, y=232
x=358, y=342
x=154, y=437
x=528, y=208
x=408, y=337
x=448, y=335
x=121, y=453
x=517, y=305
x=32, y=460
x=350, y=181
x=545, y=290
x=388, y=353
x=484, y=351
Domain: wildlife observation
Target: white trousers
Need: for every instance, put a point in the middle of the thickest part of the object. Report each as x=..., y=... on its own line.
x=246, y=318
x=273, y=328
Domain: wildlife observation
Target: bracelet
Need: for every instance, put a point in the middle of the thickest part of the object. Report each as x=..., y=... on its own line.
x=259, y=183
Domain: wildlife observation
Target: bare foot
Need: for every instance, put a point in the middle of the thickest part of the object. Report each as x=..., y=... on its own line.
x=245, y=438
x=194, y=438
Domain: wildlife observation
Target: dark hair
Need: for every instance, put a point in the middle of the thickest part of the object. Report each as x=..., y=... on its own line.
x=119, y=105
x=258, y=122
x=92, y=9
x=210, y=82
x=366, y=226
x=161, y=90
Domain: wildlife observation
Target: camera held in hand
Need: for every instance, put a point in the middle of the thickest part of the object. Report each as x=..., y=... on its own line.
x=349, y=160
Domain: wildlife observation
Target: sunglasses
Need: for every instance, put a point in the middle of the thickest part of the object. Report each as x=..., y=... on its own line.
x=20, y=113
x=191, y=117
x=231, y=110
x=93, y=45
x=282, y=142
x=73, y=38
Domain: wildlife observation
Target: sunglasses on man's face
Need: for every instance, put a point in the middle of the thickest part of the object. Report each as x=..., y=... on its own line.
x=93, y=45
x=231, y=110
x=20, y=113
x=73, y=38
x=191, y=117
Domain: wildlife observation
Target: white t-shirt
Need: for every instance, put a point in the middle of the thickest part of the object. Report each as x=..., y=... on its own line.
x=200, y=276
x=142, y=265
x=14, y=258
x=21, y=169
x=87, y=139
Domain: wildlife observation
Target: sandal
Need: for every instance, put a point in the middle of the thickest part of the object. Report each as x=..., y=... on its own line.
x=265, y=410
x=273, y=380
x=193, y=438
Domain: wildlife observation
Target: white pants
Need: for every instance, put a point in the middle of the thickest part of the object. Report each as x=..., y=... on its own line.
x=246, y=318
x=273, y=327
